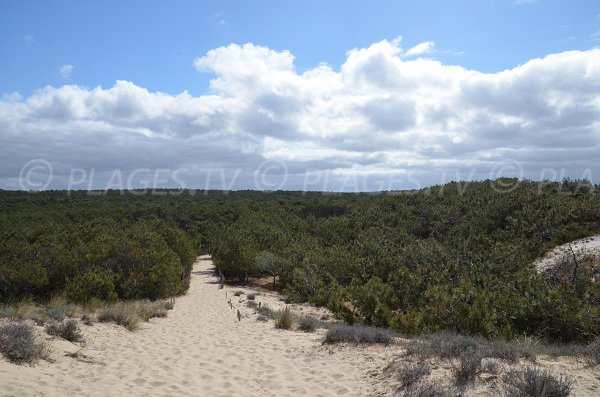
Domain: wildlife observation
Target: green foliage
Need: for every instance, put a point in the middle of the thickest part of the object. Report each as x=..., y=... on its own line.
x=89, y=285
x=452, y=257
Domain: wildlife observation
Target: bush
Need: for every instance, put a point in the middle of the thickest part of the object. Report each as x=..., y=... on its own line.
x=251, y=297
x=410, y=374
x=56, y=313
x=169, y=305
x=284, y=319
x=237, y=293
x=89, y=285
x=533, y=382
x=343, y=333
x=68, y=330
x=18, y=343
x=467, y=368
x=308, y=323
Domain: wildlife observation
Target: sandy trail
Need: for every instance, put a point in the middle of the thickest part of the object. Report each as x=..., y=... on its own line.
x=199, y=350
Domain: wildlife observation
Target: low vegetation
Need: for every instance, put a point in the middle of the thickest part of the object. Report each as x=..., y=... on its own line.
x=308, y=323
x=450, y=345
x=129, y=314
x=422, y=261
x=356, y=334
x=534, y=382
x=284, y=318
x=410, y=374
x=68, y=330
x=19, y=343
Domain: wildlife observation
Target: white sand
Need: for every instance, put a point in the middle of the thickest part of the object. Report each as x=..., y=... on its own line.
x=589, y=246
x=199, y=350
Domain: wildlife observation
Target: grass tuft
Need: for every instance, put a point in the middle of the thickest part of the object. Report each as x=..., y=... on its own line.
x=284, y=319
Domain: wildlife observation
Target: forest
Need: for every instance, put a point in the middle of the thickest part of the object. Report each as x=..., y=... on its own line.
x=450, y=257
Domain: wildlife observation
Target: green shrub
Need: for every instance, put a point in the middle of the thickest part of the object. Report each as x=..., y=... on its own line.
x=91, y=285
x=284, y=319
x=19, y=344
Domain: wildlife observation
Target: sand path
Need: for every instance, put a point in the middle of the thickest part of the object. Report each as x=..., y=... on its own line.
x=199, y=350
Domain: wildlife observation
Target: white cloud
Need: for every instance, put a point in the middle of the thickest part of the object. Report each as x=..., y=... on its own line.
x=380, y=115
x=66, y=71
x=420, y=49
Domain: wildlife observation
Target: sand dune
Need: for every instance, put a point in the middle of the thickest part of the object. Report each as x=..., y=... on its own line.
x=589, y=246
x=199, y=350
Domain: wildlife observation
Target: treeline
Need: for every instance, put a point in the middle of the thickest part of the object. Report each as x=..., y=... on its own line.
x=453, y=257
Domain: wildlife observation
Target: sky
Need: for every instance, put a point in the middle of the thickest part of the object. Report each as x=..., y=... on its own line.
x=311, y=95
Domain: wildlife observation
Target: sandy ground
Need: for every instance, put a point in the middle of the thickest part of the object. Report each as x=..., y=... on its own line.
x=201, y=349
x=589, y=246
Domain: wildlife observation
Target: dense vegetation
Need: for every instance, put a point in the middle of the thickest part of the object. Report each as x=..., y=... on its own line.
x=453, y=257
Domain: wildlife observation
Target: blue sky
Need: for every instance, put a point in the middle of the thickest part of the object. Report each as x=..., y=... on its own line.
x=153, y=43
x=327, y=95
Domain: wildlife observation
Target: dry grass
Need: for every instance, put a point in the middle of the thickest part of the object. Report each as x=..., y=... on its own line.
x=284, y=319
x=129, y=314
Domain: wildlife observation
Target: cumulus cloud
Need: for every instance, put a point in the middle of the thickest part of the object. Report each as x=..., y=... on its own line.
x=66, y=71
x=383, y=120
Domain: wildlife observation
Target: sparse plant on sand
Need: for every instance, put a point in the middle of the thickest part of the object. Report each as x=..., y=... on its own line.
x=284, y=319
x=19, y=343
x=308, y=323
x=534, y=382
x=409, y=374
x=68, y=330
